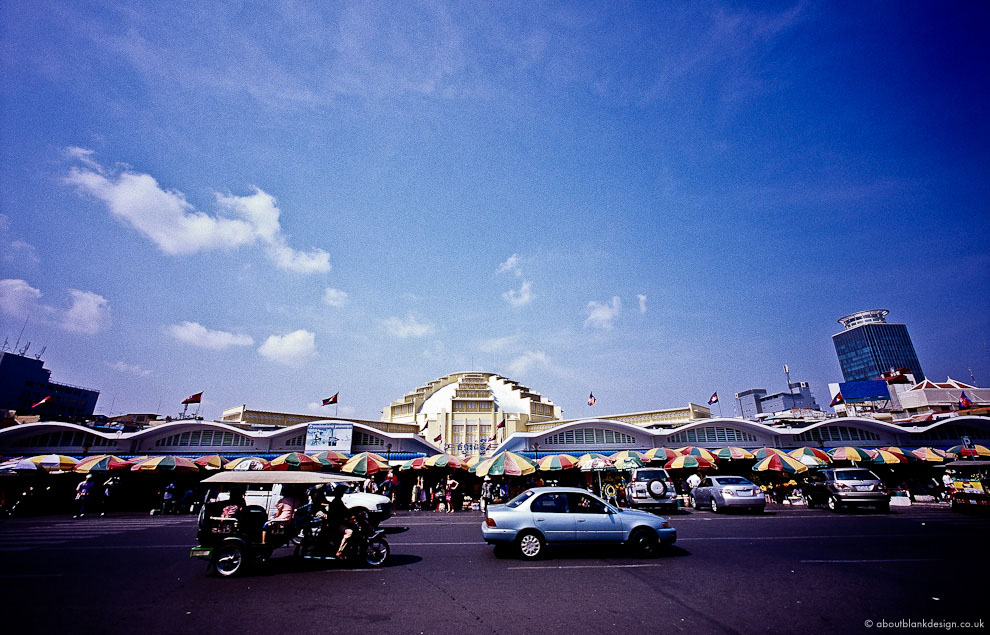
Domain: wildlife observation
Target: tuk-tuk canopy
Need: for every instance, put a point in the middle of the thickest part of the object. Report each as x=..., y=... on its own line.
x=265, y=477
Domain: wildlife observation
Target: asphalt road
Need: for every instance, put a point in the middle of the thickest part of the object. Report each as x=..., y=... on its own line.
x=785, y=571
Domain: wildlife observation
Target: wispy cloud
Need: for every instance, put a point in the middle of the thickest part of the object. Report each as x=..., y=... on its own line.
x=195, y=334
x=524, y=294
x=603, y=315
x=335, y=298
x=642, y=302
x=291, y=349
x=511, y=265
x=176, y=227
x=499, y=344
x=407, y=327
x=130, y=369
x=15, y=250
x=528, y=360
x=88, y=313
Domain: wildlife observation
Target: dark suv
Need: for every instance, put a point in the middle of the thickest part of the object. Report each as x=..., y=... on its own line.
x=838, y=487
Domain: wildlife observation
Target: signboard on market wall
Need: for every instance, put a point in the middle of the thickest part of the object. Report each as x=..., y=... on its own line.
x=325, y=436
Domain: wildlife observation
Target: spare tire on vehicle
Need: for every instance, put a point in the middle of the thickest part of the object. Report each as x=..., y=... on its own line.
x=657, y=488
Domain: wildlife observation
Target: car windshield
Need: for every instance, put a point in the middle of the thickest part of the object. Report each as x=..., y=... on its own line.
x=732, y=480
x=855, y=475
x=519, y=500
x=649, y=475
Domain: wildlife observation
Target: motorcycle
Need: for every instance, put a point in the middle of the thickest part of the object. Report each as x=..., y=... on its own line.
x=318, y=540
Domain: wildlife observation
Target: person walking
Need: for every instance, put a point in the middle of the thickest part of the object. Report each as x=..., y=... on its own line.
x=487, y=493
x=83, y=491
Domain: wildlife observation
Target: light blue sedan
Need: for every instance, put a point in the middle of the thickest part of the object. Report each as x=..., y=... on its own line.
x=567, y=515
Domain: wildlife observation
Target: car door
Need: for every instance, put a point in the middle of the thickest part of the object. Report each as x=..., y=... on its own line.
x=592, y=520
x=703, y=493
x=551, y=518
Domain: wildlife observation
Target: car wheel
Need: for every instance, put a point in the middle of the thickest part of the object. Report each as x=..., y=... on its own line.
x=833, y=503
x=644, y=543
x=694, y=503
x=714, y=506
x=531, y=545
x=376, y=553
x=228, y=560
x=656, y=488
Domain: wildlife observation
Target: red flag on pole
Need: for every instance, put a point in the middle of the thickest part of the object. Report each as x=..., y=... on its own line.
x=198, y=397
x=331, y=400
x=45, y=400
x=437, y=438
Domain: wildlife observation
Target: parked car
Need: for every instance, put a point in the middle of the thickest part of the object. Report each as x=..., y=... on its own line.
x=545, y=516
x=720, y=493
x=845, y=486
x=651, y=488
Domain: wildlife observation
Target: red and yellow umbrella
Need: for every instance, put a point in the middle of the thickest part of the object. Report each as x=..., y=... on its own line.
x=165, y=464
x=693, y=450
x=413, y=464
x=849, y=453
x=444, y=460
x=958, y=450
x=932, y=455
x=733, y=454
x=896, y=450
x=331, y=457
x=242, y=463
x=780, y=463
x=211, y=462
x=555, y=462
x=689, y=462
x=295, y=461
x=505, y=464
x=54, y=462
x=471, y=462
x=660, y=454
x=101, y=463
x=883, y=457
x=764, y=452
x=817, y=453
x=365, y=464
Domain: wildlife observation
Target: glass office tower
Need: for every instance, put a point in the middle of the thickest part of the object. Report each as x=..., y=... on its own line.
x=869, y=347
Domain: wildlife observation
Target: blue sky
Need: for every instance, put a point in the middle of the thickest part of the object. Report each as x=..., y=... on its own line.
x=651, y=201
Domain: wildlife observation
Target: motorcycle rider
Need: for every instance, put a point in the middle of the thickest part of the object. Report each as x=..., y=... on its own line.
x=339, y=517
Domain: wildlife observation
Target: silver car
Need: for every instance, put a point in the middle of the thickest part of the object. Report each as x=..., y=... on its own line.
x=567, y=515
x=718, y=493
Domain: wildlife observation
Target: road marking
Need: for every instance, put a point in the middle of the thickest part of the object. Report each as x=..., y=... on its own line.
x=424, y=544
x=872, y=561
x=805, y=537
x=588, y=566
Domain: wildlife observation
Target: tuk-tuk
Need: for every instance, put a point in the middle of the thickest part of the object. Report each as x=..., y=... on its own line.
x=231, y=536
x=970, y=484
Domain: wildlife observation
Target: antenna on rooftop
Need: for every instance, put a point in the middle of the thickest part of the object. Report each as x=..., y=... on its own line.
x=41, y=352
x=18, y=342
x=25, y=349
x=5, y=347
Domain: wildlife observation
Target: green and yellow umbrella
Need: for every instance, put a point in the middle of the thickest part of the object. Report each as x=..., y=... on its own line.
x=444, y=460
x=506, y=464
x=555, y=462
x=896, y=450
x=295, y=461
x=365, y=464
x=242, y=463
x=331, y=458
x=101, y=463
x=413, y=464
x=689, y=462
x=692, y=450
x=849, y=453
x=628, y=460
x=817, y=453
x=165, y=464
x=883, y=457
x=211, y=462
x=783, y=463
x=660, y=454
x=958, y=450
x=932, y=455
x=54, y=462
x=471, y=462
x=733, y=454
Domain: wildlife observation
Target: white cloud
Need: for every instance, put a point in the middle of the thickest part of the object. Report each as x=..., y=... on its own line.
x=18, y=298
x=520, y=365
x=291, y=349
x=408, y=327
x=498, y=344
x=171, y=222
x=89, y=313
x=510, y=266
x=520, y=297
x=132, y=369
x=642, y=303
x=601, y=316
x=195, y=334
x=335, y=297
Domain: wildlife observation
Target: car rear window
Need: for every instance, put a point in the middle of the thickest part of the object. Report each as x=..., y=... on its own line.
x=732, y=480
x=855, y=475
x=649, y=475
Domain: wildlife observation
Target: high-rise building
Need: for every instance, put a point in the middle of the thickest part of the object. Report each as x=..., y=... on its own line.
x=869, y=346
x=26, y=386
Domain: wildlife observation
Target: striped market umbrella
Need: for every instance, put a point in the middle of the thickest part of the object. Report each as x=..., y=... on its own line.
x=628, y=460
x=693, y=450
x=296, y=462
x=817, y=453
x=883, y=457
x=211, y=461
x=165, y=464
x=556, y=462
x=958, y=450
x=19, y=465
x=331, y=457
x=444, y=460
x=243, y=463
x=763, y=452
x=932, y=455
x=733, y=454
x=365, y=464
x=689, y=462
x=660, y=454
x=505, y=464
x=413, y=464
x=849, y=453
x=896, y=450
x=54, y=462
x=471, y=462
x=101, y=463
x=780, y=463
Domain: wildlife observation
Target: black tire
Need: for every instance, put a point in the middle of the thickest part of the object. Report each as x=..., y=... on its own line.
x=656, y=488
x=531, y=545
x=644, y=543
x=714, y=505
x=376, y=552
x=229, y=560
